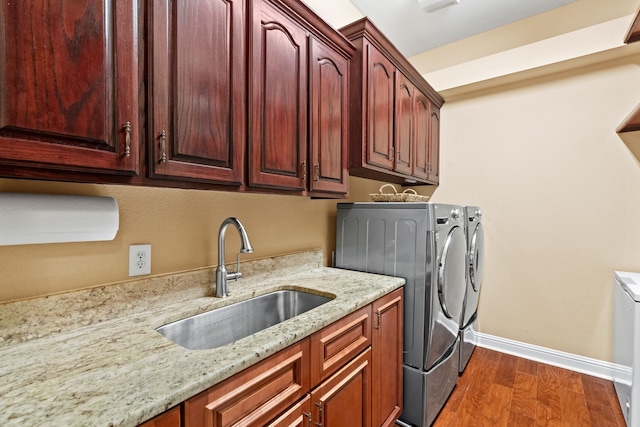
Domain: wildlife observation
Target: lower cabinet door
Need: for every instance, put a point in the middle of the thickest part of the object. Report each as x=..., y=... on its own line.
x=386, y=345
x=299, y=415
x=256, y=395
x=345, y=398
x=170, y=418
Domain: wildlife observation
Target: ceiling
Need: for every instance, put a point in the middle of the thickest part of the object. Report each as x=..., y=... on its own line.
x=413, y=29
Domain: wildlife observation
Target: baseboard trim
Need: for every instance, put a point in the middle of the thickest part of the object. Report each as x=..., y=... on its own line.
x=585, y=365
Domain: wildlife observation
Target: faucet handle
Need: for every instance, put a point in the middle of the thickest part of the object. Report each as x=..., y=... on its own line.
x=237, y=274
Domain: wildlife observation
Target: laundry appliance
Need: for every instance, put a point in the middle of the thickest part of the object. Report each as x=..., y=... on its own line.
x=475, y=267
x=425, y=244
x=626, y=344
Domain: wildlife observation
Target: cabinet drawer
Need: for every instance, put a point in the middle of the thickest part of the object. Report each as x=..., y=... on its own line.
x=333, y=346
x=256, y=395
x=299, y=415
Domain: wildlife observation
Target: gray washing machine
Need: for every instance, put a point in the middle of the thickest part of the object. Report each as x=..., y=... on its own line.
x=475, y=267
x=425, y=244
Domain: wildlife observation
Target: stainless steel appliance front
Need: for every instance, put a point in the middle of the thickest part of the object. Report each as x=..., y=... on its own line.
x=425, y=244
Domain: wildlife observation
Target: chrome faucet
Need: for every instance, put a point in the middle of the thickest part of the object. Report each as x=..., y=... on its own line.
x=221, y=271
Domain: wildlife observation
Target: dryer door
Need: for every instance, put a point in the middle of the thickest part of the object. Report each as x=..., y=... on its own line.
x=447, y=307
x=451, y=275
x=476, y=257
x=474, y=272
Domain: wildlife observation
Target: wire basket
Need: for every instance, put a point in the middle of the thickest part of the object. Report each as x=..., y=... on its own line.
x=408, y=195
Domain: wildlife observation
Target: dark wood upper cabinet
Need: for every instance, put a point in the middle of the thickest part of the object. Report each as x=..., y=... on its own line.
x=393, y=112
x=197, y=125
x=278, y=101
x=434, y=143
x=69, y=85
x=248, y=95
x=404, y=125
x=298, y=101
x=328, y=104
x=422, y=116
x=379, y=121
x=427, y=139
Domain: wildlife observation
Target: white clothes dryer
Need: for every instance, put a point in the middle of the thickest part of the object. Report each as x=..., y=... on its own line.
x=626, y=344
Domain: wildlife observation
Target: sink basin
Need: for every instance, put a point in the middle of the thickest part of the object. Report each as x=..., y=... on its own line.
x=227, y=324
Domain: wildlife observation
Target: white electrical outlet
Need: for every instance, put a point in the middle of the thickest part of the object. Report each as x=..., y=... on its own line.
x=139, y=260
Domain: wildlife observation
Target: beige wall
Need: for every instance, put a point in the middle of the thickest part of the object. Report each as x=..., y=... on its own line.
x=560, y=192
x=181, y=226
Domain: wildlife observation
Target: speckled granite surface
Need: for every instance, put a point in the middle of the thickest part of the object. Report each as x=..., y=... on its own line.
x=117, y=371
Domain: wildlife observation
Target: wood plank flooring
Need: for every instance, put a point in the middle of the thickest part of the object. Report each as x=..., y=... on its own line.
x=499, y=390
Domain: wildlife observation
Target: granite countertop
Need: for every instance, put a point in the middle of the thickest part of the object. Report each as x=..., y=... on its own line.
x=117, y=371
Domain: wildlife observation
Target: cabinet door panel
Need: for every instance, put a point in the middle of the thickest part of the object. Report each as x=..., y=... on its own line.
x=279, y=100
x=329, y=112
x=380, y=109
x=345, y=398
x=386, y=345
x=65, y=101
x=403, y=128
x=170, y=418
x=434, y=145
x=198, y=89
x=422, y=136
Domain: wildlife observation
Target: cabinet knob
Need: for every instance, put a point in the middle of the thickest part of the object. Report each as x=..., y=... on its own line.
x=127, y=139
x=304, y=171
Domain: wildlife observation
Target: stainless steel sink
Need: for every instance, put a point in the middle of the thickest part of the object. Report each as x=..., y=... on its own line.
x=227, y=324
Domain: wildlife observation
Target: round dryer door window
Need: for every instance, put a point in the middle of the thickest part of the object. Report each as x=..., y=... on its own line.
x=476, y=257
x=451, y=274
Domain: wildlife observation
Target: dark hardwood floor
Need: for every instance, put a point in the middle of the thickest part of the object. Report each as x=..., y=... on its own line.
x=499, y=390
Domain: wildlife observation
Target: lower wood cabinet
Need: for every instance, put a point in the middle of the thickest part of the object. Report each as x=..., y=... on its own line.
x=347, y=374
x=386, y=345
x=299, y=415
x=170, y=418
x=335, y=345
x=256, y=395
x=345, y=398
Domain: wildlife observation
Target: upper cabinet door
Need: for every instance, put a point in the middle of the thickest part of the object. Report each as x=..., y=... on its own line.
x=278, y=102
x=197, y=97
x=380, y=151
x=328, y=91
x=65, y=101
x=434, y=144
x=403, y=129
x=422, y=135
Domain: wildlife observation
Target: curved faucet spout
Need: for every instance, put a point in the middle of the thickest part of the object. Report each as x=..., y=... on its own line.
x=245, y=247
